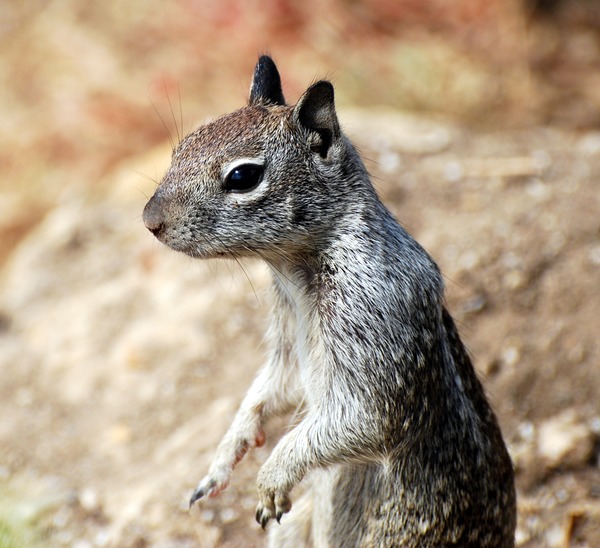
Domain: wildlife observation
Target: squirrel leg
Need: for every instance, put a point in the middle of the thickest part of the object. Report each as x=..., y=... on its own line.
x=315, y=442
x=265, y=397
x=244, y=434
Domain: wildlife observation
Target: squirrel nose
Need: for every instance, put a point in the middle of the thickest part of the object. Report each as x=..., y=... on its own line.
x=153, y=216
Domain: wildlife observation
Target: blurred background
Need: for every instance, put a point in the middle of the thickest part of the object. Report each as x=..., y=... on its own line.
x=122, y=363
x=81, y=83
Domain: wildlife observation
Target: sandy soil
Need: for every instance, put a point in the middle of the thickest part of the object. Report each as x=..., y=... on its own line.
x=123, y=363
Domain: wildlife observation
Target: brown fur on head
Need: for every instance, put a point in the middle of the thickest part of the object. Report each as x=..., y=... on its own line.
x=253, y=181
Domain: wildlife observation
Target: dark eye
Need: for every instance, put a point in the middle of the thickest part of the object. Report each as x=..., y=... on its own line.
x=243, y=178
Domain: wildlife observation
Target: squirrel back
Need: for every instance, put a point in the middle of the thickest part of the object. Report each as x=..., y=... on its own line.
x=402, y=444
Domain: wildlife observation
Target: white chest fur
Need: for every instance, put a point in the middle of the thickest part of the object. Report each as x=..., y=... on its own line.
x=305, y=332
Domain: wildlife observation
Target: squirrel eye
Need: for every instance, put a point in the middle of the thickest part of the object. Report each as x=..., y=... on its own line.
x=243, y=178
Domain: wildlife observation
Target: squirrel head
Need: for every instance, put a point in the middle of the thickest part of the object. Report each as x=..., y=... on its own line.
x=266, y=180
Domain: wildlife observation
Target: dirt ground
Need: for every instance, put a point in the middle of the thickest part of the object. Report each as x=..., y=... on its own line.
x=123, y=363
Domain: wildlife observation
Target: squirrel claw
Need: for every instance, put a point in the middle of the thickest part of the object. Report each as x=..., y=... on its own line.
x=204, y=488
x=196, y=496
x=262, y=517
x=274, y=508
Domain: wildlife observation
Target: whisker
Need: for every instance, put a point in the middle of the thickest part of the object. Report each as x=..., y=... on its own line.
x=167, y=130
x=234, y=256
x=146, y=176
x=243, y=268
x=180, y=110
x=278, y=273
x=172, y=111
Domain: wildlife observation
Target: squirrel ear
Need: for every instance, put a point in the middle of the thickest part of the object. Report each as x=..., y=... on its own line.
x=316, y=111
x=266, y=84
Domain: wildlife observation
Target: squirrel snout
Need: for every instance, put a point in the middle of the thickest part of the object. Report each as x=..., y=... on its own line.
x=153, y=216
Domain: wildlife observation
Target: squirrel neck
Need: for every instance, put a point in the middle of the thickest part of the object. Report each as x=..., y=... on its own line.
x=353, y=211
x=365, y=235
x=347, y=230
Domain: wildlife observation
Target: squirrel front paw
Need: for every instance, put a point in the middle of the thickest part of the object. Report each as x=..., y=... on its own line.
x=210, y=486
x=231, y=451
x=273, y=498
x=272, y=504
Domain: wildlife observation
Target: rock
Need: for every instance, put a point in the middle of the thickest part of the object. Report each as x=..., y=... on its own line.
x=565, y=440
x=89, y=499
x=408, y=134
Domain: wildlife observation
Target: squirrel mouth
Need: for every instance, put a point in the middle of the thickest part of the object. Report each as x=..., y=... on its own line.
x=202, y=253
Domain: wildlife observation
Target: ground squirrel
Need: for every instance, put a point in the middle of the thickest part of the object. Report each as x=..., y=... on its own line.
x=397, y=443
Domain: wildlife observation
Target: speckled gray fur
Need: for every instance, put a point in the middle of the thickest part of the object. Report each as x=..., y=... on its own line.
x=397, y=442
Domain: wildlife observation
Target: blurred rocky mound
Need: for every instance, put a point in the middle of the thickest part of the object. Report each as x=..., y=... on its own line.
x=122, y=362
x=79, y=80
